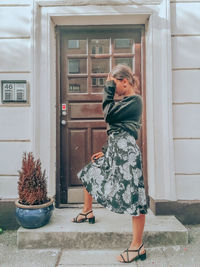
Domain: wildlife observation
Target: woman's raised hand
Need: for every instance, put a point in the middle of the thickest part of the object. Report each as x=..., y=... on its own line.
x=110, y=78
x=97, y=156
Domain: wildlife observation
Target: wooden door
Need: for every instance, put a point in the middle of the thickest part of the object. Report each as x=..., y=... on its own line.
x=87, y=55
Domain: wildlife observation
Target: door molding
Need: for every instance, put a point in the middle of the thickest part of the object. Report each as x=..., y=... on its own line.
x=160, y=154
x=72, y=157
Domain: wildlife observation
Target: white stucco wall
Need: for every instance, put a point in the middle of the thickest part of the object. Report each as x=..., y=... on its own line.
x=16, y=62
x=185, y=21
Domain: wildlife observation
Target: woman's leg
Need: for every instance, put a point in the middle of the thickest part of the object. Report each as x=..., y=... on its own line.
x=138, y=223
x=87, y=202
x=86, y=207
x=138, y=229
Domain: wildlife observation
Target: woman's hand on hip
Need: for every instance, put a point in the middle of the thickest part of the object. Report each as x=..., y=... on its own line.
x=97, y=156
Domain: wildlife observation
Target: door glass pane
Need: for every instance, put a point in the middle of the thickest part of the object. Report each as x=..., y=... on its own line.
x=99, y=46
x=123, y=45
x=76, y=47
x=76, y=66
x=126, y=61
x=100, y=65
x=77, y=85
x=98, y=84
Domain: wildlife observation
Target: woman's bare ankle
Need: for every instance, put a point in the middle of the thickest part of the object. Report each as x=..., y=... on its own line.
x=86, y=210
x=136, y=245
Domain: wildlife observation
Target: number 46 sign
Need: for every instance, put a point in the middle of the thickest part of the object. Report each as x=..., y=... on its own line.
x=14, y=91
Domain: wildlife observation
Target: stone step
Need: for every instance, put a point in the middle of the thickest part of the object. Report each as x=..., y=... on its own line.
x=110, y=231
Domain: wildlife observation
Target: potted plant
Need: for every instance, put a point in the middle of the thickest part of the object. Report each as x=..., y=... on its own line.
x=33, y=208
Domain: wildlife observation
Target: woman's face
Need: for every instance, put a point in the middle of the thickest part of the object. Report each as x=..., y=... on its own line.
x=120, y=87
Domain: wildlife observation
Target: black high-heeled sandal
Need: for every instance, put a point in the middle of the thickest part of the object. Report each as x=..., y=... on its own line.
x=142, y=257
x=90, y=220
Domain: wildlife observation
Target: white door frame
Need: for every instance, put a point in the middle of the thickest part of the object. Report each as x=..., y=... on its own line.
x=156, y=17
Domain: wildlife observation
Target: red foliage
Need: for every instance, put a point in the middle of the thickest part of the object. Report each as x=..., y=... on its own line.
x=32, y=185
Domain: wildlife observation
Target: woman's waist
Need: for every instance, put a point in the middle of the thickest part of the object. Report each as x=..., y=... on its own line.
x=121, y=128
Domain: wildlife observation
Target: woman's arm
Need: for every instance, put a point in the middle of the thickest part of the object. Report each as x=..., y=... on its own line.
x=117, y=111
x=108, y=95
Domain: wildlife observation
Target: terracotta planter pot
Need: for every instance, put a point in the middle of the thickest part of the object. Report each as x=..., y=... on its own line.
x=34, y=216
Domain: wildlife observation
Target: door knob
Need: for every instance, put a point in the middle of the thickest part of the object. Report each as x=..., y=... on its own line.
x=63, y=122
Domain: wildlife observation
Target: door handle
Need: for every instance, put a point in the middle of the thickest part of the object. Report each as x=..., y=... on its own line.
x=63, y=122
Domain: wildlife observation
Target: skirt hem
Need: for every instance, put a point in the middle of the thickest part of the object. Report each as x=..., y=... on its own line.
x=110, y=209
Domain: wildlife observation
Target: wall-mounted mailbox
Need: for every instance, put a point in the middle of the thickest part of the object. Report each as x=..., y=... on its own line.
x=14, y=91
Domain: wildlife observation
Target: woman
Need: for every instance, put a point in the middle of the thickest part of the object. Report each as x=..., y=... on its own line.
x=114, y=177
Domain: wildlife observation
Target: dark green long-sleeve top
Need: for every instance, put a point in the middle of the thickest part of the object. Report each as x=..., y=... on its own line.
x=124, y=114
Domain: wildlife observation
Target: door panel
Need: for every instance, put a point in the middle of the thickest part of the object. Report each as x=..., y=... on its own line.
x=87, y=56
x=98, y=137
x=83, y=140
x=86, y=111
x=77, y=140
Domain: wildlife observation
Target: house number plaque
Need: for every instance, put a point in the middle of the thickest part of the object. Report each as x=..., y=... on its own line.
x=14, y=91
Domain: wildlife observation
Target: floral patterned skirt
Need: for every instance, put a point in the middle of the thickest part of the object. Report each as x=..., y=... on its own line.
x=116, y=179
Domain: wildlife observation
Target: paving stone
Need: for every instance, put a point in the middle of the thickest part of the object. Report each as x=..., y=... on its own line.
x=12, y=257
x=188, y=256
x=90, y=258
x=155, y=257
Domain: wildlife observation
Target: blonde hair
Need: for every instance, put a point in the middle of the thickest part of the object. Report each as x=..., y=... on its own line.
x=121, y=71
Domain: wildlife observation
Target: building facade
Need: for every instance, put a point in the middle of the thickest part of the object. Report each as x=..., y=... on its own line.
x=54, y=58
